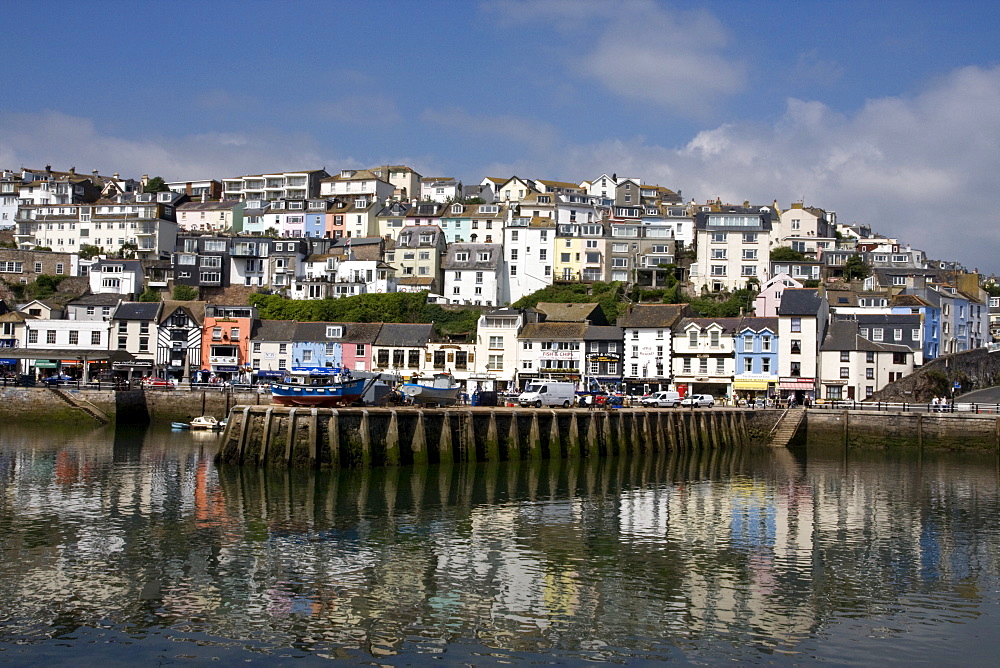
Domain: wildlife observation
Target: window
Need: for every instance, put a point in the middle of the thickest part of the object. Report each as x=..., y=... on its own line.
x=720, y=366
x=495, y=363
x=496, y=342
x=693, y=338
x=899, y=358
x=796, y=324
x=796, y=346
x=714, y=336
x=74, y=337
x=845, y=372
x=765, y=344
x=747, y=365
x=703, y=365
x=877, y=334
x=845, y=355
x=38, y=267
x=686, y=366
x=718, y=270
x=32, y=336
x=50, y=336
x=897, y=335
x=765, y=365
x=870, y=373
x=869, y=391
x=718, y=237
x=795, y=369
x=95, y=338
x=749, y=253
x=718, y=253
x=334, y=331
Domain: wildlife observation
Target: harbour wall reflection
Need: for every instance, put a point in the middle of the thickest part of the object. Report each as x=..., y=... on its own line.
x=691, y=553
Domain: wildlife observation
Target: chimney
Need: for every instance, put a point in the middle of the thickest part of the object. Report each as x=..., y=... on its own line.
x=72, y=170
x=116, y=176
x=94, y=173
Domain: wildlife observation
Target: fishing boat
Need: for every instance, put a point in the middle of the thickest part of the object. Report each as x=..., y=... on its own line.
x=317, y=386
x=442, y=391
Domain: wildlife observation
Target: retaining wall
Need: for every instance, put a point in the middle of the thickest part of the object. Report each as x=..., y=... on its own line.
x=362, y=437
x=880, y=429
x=39, y=404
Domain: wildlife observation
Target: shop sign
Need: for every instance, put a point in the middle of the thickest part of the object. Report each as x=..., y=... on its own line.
x=226, y=368
x=46, y=364
x=597, y=357
x=137, y=364
x=7, y=361
x=558, y=354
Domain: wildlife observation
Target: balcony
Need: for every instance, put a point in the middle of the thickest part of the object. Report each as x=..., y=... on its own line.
x=222, y=359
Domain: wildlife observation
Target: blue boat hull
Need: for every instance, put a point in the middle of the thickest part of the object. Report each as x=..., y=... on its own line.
x=322, y=396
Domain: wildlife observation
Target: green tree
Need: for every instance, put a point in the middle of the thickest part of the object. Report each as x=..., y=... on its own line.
x=150, y=295
x=787, y=254
x=855, y=268
x=185, y=293
x=44, y=286
x=88, y=251
x=155, y=185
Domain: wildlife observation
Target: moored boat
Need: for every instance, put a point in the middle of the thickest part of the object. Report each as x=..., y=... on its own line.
x=317, y=386
x=206, y=422
x=442, y=391
x=179, y=425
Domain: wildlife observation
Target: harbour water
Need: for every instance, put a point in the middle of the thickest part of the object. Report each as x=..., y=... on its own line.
x=131, y=546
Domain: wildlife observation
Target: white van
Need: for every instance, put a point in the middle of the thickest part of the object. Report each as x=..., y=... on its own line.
x=540, y=393
x=663, y=399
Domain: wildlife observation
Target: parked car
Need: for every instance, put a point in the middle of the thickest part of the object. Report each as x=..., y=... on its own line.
x=61, y=379
x=662, y=399
x=698, y=400
x=152, y=381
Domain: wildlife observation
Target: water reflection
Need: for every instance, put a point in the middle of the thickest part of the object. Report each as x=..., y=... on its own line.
x=711, y=555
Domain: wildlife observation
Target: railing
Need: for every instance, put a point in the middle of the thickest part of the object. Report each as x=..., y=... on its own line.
x=907, y=407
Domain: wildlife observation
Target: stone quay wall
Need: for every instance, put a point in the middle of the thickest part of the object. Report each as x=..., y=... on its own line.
x=881, y=429
x=279, y=436
x=39, y=404
x=68, y=404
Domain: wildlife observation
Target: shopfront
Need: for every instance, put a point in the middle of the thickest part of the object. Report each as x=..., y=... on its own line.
x=752, y=388
x=798, y=389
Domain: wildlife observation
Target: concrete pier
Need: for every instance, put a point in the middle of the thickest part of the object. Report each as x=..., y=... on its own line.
x=277, y=436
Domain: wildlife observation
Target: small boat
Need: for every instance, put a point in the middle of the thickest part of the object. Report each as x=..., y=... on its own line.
x=206, y=422
x=179, y=425
x=443, y=391
x=317, y=386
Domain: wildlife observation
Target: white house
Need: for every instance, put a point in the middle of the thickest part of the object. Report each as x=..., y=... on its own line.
x=529, y=245
x=648, y=345
x=473, y=274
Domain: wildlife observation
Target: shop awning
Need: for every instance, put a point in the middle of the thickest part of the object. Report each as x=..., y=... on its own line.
x=750, y=384
x=801, y=385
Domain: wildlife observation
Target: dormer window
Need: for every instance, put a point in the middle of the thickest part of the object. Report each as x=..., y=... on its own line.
x=456, y=208
x=334, y=331
x=461, y=257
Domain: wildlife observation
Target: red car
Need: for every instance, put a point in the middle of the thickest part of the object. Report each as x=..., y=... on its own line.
x=151, y=381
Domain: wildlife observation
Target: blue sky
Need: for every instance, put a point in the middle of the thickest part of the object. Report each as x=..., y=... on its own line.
x=888, y=113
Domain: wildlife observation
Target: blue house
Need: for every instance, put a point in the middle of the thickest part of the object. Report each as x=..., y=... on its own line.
x=756, y=349
x=930, y=316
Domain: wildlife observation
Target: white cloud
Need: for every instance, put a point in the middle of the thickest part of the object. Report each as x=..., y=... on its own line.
x=64, y=141
x=922, y=168
x=537, y=135
x=640, y=50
